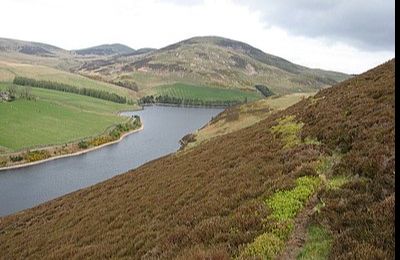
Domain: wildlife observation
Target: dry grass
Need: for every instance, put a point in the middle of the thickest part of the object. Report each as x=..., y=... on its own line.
x=239, y=117
x=209, y=201
x=8, y=70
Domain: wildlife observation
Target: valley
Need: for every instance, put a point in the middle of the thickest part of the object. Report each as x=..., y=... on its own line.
x=236, y=154
x=192, y=72
x=308, y=170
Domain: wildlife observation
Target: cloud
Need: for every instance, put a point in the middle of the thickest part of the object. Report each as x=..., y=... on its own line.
x=365, y=24
x=74, y=24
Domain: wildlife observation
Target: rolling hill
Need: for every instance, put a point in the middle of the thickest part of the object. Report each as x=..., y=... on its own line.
x=46, y=62
x=314, y=180
x=215, y=62
x=30, y=48
x=200, y=61
x=106, y=49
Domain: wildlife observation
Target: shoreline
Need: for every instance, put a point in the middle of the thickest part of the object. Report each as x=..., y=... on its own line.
x=183, y=106
x=12, y=167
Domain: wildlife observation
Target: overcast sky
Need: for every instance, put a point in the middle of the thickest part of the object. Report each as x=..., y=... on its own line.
x=344, y=35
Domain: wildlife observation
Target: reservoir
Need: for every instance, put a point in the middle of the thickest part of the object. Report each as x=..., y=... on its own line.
x=163, y=128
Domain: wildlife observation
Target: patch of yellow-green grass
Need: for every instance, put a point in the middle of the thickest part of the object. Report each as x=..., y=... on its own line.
x=323, y=167
x=325, y=163
x=309, y=140
x=266, y=245
x=285, y=205
x=288, y=130
x=314, y=100
x=318, y=244
x=336, y=182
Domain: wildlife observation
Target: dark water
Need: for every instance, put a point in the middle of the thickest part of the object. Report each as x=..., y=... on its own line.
x=163, y=128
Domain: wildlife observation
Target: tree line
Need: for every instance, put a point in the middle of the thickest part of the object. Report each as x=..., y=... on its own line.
x=23, y=81
x=165, y=99
x=264, y=90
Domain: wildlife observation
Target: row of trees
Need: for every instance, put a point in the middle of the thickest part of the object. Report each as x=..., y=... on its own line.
x=264, y=90
x=165, y=99
x=23, y=81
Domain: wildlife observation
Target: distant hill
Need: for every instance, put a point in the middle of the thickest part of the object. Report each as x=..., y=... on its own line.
x=141, y=51
x=316, y=179
x=217, y=62
x=200, y=61
x=106, y=49
x=30, y=48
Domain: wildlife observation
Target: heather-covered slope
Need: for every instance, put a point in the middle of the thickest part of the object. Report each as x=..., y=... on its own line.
x=241, y=194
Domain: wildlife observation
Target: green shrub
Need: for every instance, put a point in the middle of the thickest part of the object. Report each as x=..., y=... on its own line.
x=16, y=158
x=83, y=144
x=115, y=133
x=288, y=130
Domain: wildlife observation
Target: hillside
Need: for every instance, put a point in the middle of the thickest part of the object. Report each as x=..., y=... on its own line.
x=314, y=180
x=30, y=48
x=106, y=49
x=72, y=117
x=201, y=61
x=35, y=53
x=238, y=117
x=10, y=69
x=216, y=62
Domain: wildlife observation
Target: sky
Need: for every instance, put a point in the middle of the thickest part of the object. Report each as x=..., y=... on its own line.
x=350, y=36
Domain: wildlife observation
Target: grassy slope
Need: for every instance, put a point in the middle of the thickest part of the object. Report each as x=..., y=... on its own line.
x=242, y=116
x=54, y=118
x=186, y=91
x=210, y=202
x=217, y=62
x=9, y=69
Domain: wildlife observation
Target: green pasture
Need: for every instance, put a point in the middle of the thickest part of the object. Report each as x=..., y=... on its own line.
x=186, y=91
x=53, y=118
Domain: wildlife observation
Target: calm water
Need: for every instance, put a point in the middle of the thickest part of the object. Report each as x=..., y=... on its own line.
x=163, y=128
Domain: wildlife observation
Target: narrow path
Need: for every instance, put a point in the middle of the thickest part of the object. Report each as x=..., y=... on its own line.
x=299, y=234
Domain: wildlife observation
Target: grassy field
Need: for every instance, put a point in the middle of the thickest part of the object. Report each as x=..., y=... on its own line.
x=186, y=91
x=8, y=70
x=53, y=118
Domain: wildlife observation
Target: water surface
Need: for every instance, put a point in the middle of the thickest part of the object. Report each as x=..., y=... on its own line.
x=163, y=128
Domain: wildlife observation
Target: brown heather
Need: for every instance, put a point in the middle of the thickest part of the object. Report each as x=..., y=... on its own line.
x=208, y=202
